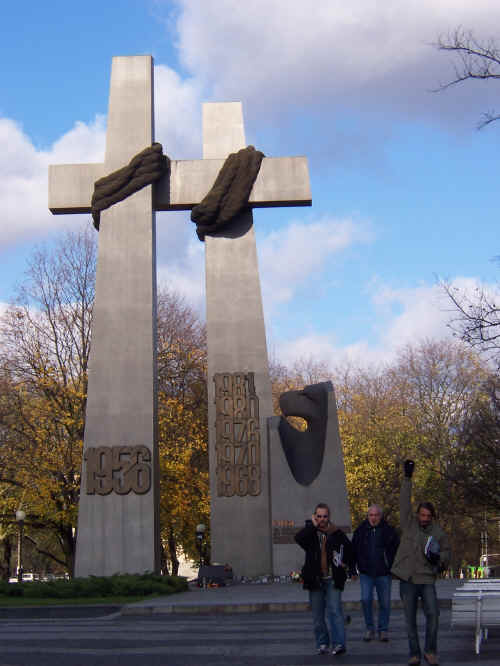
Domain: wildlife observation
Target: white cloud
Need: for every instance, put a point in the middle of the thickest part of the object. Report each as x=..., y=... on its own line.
x=288, y=258
x=184, y=271
x=422, y=312
x=24, y=169
x=177, y=114
x=308, y=52
x=324, y=348
x=24, y=176
x=82, y=144
x=404, y=316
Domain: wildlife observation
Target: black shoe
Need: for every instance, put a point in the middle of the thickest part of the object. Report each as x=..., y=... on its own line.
x=338, y=649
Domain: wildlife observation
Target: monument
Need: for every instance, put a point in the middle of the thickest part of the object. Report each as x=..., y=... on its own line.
x=118, y=527
x=239, y=386
x=307, y=467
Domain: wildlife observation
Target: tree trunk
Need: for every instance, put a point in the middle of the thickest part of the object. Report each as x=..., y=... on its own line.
x=5, y=562
x=172, y=550
x=164, y=561
x=69, y=546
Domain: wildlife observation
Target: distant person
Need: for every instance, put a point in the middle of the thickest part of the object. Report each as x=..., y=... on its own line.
x=422, y=554
x=328, y=554
x=375, y=544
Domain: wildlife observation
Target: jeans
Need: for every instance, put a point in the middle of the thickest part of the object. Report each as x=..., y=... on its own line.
x=383, y=587
x=327, y=599
x=410, y=592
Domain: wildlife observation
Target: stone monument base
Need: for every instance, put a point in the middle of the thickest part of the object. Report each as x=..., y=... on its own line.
x=292, y=503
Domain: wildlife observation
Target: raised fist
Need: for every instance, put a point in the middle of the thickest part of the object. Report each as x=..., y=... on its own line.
x=409, y=465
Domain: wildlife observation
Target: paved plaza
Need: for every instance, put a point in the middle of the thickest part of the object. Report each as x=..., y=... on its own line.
x=254, y=639
x=188, y=638
x=256, y=597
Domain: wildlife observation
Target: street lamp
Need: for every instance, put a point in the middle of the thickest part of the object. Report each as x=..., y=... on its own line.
x=20, y=516
x=200, y=533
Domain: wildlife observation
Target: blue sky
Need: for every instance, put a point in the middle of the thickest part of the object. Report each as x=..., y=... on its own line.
x=404, y=187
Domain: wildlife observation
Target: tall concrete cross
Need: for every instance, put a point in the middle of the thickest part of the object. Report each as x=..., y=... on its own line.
x=118, y=528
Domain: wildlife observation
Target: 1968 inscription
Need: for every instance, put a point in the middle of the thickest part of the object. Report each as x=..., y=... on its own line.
x=237, y=435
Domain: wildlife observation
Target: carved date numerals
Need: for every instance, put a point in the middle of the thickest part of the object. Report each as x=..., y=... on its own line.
x=119, y=469
x=237, y=435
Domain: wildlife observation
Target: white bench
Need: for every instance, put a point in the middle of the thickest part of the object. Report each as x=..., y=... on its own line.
x=480, y=583
x=476, y=608
x=484, y=584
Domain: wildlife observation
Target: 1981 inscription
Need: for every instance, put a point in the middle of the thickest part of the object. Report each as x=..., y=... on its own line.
x=237, y=435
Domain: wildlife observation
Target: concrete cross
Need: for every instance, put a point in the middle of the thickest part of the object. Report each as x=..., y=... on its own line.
x=118, y=529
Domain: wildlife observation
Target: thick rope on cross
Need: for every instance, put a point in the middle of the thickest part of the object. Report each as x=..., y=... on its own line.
x=145, y=168
x=230, y=192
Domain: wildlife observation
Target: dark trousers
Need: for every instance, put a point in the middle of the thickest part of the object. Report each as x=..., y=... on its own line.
x=410, y=593
x=383, y=586
x=327, y=600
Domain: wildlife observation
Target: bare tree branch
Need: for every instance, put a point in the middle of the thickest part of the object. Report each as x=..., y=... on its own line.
x=44, y=552
x=479, y=60
x=476, y=318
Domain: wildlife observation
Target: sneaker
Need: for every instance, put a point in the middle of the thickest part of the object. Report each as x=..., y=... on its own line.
x=383, y=636
x=414, y=661
x=338, y=649
x=431, y=659
x=323, y=649
x=369, y=635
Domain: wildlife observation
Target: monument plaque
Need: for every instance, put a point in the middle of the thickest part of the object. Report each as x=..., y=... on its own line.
x=239, y=470
x=119, y=469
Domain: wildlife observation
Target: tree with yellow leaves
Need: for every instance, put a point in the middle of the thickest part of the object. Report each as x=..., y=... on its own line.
x=45, y=344
x=44, y=350
x=182, y=427
x=434, y=404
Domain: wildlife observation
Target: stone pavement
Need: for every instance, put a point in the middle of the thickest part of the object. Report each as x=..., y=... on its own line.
x=248, y=598
x=234, y=639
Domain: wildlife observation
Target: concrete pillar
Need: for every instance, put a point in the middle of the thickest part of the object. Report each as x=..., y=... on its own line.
x=120, y=532
x=240, y=513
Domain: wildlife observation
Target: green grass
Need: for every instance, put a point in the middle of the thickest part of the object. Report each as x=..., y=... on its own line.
x=22, y=602
x=120, y=588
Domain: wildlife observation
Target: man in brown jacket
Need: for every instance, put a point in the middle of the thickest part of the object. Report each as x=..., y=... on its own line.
x=422, y=553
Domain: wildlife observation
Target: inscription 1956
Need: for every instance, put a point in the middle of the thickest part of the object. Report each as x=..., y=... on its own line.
x=237, y=435
x=119, y=469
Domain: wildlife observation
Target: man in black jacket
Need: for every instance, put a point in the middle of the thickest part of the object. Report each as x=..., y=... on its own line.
x=375, y=544
x=328, y=553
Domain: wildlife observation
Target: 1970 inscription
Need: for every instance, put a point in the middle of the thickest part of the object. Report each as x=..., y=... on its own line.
x=237, y=435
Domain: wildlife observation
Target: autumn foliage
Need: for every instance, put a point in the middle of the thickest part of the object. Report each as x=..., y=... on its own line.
x=437, y=403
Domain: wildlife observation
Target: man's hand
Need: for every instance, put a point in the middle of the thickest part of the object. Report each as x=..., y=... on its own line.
x=328, y=528
x=434, y=558
x=409, y=465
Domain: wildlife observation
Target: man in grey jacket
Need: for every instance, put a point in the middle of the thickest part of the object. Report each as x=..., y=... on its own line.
x=422, y=553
